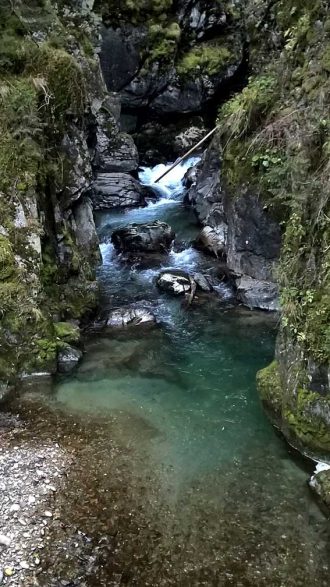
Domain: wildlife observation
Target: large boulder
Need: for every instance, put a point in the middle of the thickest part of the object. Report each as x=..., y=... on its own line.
x=212, y=240
x=153, y=237
x=180, y=282
x=130, y=316
x=117, y=190
x=175, y=282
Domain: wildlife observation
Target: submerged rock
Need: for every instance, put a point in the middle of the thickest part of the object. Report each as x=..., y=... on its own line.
x=130, y=316
x=68, y=358
x=153, y=237
x=117, y=190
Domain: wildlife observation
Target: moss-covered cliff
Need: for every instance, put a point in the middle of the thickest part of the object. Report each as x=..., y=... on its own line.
x=49, y=81
x=275, y=137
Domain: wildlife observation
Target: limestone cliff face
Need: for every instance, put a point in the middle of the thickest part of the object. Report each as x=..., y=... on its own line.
x=273, y=149
x=57, y=125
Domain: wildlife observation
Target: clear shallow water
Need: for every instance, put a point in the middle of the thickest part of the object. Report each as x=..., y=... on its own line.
x=230, y=505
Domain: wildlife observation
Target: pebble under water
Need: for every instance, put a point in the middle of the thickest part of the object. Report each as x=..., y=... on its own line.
x=181, y=479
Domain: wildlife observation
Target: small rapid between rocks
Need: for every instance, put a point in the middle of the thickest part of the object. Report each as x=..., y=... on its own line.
x=182, y=480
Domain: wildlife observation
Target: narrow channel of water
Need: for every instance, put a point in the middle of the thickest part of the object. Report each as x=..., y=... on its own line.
x=233, y=506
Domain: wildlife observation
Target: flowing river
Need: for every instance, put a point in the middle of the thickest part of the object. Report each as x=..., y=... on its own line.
x=197, y=484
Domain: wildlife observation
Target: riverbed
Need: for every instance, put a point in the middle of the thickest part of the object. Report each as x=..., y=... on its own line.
x=176, y=475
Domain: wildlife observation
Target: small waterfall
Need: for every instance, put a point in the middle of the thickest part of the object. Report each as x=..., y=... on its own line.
x=170, y=188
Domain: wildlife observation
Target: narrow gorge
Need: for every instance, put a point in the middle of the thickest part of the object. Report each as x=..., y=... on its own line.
x=164, y=344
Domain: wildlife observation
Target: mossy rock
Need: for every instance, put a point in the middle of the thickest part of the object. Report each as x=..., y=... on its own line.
x=320, y=484
x=269, y=388
x=67, y=332
x=308, y=420
x=209, y=58
x=7, y=259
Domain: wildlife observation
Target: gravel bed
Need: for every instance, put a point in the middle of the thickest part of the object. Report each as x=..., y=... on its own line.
x=30, y=475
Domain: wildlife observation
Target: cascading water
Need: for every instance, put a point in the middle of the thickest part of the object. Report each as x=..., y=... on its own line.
x=213, y=494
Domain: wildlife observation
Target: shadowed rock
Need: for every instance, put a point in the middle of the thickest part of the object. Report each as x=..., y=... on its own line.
x=153, y=237
x=117, y=190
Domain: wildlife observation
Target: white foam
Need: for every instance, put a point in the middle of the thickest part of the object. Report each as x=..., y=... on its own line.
x=172, y=183
x=320, y=466
x=107, y=252
x=188, y=258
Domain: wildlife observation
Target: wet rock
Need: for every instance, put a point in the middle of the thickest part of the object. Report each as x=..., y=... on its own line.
x=120, y=55
x=170, y=85
x=175, y=282
x=213, y=240
x=84, y=226
x=130, y=316
x=117, y=190
x=68, y=358
x=320, y=484
x=190, y=176
x=120, y=156
x=205, y=194
x=179, y=282
x=255, y=293
x=153, y=237
x=202, y=282
x=254, y=238
x=239, y=229
x=74, y=148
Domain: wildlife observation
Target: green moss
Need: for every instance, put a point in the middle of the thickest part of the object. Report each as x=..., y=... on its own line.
x=46, y=351
x=7, y=259
x=308, y=420
x=67, y=332
x=269, y=388
x=64, y=78
x=210, y=58
x=325, y=62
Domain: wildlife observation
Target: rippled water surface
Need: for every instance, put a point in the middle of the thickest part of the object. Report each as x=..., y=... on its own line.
x=223, y=502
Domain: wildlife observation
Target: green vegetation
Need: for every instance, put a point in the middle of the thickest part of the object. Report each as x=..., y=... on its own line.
x=45, y=78
x=307, y=422
x=134, y=11
x=269, y=388
x=208, y=58
x=67, y=332
x=276, y=140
